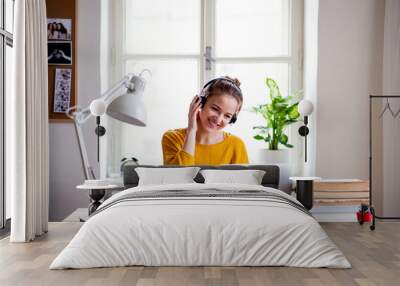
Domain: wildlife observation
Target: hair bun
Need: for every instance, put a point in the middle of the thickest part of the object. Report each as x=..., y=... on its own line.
x=234, y=80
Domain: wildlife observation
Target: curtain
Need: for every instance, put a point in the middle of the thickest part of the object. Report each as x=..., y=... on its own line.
x=27, y=120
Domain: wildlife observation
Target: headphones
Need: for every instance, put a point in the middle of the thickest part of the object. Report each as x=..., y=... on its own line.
x=203, y=96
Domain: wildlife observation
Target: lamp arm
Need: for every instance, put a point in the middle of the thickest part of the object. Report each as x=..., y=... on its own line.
x=88, y=170
x=109, y=95
x=82, y=115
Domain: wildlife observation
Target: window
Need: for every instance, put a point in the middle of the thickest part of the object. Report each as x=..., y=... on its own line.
x=186, y=43
x=6, y=44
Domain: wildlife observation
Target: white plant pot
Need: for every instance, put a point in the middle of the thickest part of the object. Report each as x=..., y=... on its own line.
x=280, y=158
x=271, y=157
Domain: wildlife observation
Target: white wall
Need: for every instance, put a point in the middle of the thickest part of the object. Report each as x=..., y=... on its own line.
x=65, y=164
x=391, y=126
x=310, y=79
x=350, y=41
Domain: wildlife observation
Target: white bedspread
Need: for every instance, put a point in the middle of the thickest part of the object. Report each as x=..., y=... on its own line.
x=200, y=231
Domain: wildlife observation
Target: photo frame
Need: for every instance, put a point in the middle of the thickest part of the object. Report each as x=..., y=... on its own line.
x=59, y=53
x=62, y=90
x=59, y=29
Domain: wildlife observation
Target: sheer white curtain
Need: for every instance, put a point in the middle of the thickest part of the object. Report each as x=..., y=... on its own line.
x=27, y=123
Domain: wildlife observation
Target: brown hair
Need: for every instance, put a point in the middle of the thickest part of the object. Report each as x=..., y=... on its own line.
x=225, y=85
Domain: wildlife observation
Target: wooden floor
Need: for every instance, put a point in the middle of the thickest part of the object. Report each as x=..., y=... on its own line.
x=375, y=257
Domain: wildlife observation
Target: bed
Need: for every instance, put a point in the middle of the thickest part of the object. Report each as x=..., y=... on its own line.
x=201, y=224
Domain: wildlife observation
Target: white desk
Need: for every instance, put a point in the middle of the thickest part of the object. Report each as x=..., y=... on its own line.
x=77, y=215
x=96, y=194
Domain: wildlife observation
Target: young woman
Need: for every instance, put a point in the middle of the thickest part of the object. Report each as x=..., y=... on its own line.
x=50, y=31
x=62, y=31
x=203, y=142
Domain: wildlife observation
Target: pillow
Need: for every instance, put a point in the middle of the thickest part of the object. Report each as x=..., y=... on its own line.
x=248, y=177
x=166, y=176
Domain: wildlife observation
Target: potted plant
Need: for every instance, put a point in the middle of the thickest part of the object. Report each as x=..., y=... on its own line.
x=279, y=113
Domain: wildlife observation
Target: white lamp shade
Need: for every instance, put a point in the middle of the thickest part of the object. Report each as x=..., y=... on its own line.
x=97, y=107
x=305, y=107
x=128, y=108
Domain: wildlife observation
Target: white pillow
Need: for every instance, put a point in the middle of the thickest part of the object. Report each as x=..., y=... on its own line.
x=165, y=176
x=249, y=177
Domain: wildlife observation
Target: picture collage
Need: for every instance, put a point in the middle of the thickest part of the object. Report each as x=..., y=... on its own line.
x=59, y=52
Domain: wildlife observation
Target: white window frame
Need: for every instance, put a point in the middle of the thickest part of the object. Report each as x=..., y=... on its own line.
x=119, y=57
x=294, y=59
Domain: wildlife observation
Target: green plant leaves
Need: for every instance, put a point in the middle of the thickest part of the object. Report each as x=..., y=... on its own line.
x=264, y=138
x=278, y=114
x=288, y=145
x=263, y=129
x=273, y=88
x=283, y=139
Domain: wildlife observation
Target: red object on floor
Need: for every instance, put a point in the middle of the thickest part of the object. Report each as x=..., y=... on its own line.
x=367, y=217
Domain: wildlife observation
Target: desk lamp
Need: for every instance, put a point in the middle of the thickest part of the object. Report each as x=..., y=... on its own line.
x=126, y=107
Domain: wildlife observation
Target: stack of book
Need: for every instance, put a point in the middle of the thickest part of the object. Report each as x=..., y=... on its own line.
x=341, y=192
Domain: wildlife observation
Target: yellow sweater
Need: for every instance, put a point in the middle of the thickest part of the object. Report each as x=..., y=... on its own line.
x=230, y=151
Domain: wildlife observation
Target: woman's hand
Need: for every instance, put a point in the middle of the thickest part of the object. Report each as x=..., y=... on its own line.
x=194, y=109
x=190, y=139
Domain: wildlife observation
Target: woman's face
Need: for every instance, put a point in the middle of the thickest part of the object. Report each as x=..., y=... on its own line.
x=217, y=112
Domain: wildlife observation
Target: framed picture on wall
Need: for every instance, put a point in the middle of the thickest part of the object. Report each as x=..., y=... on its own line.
x=59, y=53
x=59, y=29
x=62, y=90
